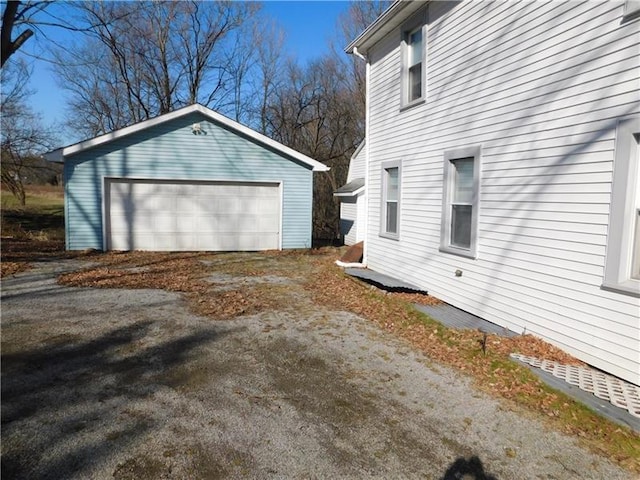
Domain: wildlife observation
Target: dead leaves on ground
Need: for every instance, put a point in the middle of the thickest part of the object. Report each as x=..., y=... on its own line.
x=18, y=253
x=173, y=272
x=178, y=274
x=493, y=371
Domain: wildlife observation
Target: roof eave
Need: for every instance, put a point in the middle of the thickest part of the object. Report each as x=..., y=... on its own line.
x=390, y=19
x=355, y=193
x=54, y=156
x=358, y=149
x=61, y=153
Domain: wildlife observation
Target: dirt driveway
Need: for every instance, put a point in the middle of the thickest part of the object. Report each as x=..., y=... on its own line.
x=124, y=383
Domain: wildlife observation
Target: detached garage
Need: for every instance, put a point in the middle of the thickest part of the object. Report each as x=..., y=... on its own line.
x=190, y=180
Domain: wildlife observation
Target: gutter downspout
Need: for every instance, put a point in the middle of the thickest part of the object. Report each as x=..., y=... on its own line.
x=367, y=144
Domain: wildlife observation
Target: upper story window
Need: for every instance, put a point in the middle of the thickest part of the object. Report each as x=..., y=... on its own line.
x=390, y=221
x=461, y=202
x=414, y=47
x=413, y=60
x=622, y=263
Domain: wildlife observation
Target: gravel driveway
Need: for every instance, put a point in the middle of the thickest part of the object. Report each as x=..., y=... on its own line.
x=114, y=383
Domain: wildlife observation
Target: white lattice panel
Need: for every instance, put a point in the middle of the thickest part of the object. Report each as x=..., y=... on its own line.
x=609, y=388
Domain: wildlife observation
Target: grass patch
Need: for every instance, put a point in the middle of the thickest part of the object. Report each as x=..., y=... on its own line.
x=42, y=218
x=31, y=232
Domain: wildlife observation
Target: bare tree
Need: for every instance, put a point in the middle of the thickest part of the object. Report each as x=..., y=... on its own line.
x=23, y=135
x=313, y=112
x=320, y=111
x=16, y=16
x=351, y=23
x=141, y=59
x=269, y=65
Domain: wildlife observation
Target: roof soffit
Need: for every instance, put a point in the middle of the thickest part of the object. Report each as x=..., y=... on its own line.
x=390, y=20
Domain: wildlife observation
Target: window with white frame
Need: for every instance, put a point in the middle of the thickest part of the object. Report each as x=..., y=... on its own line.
x=635, y=271
x=414, y=64
x=390, y=221
x=622, y=263
x=413, y=60
x=460, y=202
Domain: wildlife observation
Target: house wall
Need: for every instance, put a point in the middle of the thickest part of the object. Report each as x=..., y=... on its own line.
x=351, y=208
x=540, y=86
x=357, y=164
x=349, y=219
x=172, y=151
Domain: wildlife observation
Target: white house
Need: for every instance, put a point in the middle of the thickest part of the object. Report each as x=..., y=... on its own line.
x=502, y=165
x=351, y=195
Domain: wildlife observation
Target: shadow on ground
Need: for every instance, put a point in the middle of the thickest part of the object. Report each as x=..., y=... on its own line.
x=76, y=389
x=467, y=469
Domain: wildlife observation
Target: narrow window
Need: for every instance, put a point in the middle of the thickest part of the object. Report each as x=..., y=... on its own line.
x=414, y=46
x=636, y=247
x=413, y=64
x=390, y=221
x=622, y=262
x=460, y=202
x=635, y=270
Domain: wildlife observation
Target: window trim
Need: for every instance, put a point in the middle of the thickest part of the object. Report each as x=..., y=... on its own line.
x=448, y=188
x=383, y=199
x=418, y=21
x=619, y=253
x=631, y=9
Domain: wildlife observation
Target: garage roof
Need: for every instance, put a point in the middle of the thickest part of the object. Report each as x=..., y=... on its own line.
x=59, y=154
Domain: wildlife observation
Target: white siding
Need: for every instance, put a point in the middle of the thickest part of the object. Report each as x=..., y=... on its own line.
x=348, y=220
x=357, y=164
x=540, y=85
x=352, y=209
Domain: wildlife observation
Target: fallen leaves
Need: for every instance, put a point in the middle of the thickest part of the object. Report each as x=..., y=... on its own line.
x=185, y=273
x=493, y=370
x=18, y=253
x=181, y=274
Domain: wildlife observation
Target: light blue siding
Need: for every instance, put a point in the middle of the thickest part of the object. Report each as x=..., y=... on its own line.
x=171, y=151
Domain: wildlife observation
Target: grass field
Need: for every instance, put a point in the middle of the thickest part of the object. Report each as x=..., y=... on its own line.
x=42, y=218
x=31, y=232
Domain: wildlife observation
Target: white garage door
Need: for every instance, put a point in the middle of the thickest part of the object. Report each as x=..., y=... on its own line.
x=172, y=216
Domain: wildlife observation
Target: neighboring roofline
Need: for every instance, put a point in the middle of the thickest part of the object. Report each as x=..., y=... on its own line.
x=355, y=193
x=358, y=149
x=359, y=185
x=59, y=154
x=54, y=156
x=390, y=19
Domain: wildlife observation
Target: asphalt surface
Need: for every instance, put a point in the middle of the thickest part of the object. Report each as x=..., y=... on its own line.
x=113, y=383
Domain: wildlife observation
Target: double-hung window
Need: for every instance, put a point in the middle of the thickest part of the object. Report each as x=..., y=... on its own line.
x=460, y=202
x=622, y=262
x=414, y=64
x=413, y=60
x=390, y=221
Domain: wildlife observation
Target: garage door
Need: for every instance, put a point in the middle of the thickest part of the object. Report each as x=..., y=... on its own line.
x=187, y=216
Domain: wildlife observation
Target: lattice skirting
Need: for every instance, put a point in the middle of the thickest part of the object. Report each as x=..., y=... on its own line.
x=607, y=387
